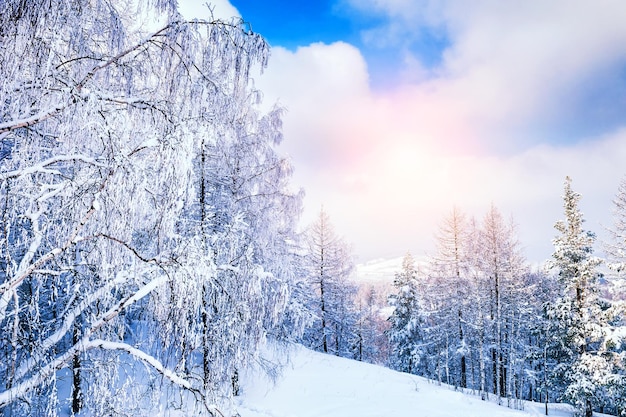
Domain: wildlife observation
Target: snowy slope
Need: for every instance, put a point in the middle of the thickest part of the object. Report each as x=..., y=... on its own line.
x=319, y=385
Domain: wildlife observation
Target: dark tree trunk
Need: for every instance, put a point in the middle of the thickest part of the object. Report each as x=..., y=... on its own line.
x=463, y=360
x=503, y=392
x=77, y=395
x=323, y=308
x=494, y=369
x=235, y=383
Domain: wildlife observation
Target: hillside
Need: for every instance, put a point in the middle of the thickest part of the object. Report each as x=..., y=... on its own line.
x=314, y=384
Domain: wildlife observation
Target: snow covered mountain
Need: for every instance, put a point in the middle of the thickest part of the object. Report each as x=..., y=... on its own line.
x=377, y=271
x=313, y=384
x=382, y=271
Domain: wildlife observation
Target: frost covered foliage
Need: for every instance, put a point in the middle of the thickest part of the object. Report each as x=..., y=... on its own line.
x=327, y=264
x=476, y=317
x=466, y=319
x=406, y=320
x=145, y=215
x=588, y=363
x=615, y=248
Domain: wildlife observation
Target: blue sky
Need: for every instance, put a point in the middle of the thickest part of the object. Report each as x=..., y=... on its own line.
x=589, y=108
x=295, y=24
x=397, y=110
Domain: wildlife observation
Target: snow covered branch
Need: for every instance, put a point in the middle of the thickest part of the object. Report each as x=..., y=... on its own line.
x=68, y=322
x=21, y=389
x=142, y=356
x=26, y=268
x=50, y=161
x=30, y=121
x=85, y=344
x=109, y=196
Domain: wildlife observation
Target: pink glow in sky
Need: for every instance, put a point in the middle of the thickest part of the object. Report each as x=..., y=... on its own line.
x=525, y=94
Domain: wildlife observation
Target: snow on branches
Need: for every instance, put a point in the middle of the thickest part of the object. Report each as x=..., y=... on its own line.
x=132, y=164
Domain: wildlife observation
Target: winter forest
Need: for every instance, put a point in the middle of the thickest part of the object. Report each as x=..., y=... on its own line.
x=150, y=242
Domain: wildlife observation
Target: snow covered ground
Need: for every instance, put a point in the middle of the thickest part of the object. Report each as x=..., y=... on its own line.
x=318, y=385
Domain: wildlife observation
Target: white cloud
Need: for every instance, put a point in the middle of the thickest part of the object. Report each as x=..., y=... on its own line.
x=321, y=87
x=510, y=64
x=389, y=165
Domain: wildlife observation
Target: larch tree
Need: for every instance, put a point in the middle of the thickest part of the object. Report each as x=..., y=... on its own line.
x=449, y=270
x=475, y=303
x=329, y=265
x=503, y=268
x=615, y=247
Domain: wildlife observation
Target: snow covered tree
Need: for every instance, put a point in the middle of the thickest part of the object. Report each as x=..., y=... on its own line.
x=329, y=265
x=145, y=213
x=578, y=319
x=246, y=219
x=372, y=341
x=503, y=267
x=476, y=299
x=405, y=332
x=449, y=270
x=615, y=247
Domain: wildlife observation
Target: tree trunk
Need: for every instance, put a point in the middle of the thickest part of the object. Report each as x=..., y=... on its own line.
x=77, y=395
x=323, y=308
x=209, y=301
x=503, y=375
x=481, y=356
x=447, y=361
x=235, y=383
x=498, y=354
x=545, y=375
x=462, y=343
x=494, y=370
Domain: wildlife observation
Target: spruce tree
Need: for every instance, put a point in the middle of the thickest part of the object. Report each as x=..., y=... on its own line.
x=577, y=317
x=405, y=332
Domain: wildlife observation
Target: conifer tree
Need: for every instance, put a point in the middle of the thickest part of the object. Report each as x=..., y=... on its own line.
x=503, y=268
x=577, y=317
x=405, y=333
x=615, y=248
x=329, y=264
x=449, y=270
